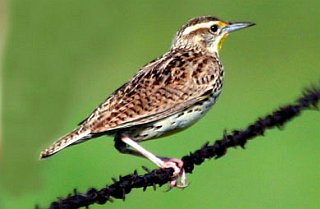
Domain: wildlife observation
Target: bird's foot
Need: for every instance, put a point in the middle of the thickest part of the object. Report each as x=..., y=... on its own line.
x=179, y=178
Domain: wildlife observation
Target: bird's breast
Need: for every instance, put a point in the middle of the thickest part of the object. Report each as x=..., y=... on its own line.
x=174, y=123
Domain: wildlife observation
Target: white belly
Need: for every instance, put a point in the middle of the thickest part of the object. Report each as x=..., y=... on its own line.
x=174, y=122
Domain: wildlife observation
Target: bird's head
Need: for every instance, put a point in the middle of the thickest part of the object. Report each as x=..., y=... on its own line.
x=206, y=33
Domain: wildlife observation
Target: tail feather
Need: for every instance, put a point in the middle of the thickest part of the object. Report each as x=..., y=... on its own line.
x=75, y=136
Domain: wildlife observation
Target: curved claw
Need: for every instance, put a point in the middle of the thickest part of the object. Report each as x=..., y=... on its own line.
x=179, y=181
x=179, y=178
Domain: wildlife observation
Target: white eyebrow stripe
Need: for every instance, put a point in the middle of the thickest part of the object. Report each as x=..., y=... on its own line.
x=196, y=27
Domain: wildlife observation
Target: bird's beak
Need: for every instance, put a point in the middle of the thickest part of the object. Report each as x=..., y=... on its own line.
x=233, y=26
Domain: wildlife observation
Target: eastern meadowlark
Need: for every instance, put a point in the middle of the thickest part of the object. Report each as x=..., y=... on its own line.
x=168, y=94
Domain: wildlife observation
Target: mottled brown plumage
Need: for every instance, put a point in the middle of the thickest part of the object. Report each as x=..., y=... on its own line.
x=162, y=88
x=167, y=94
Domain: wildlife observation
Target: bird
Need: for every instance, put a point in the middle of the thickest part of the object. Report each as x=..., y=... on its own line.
x=165, y=96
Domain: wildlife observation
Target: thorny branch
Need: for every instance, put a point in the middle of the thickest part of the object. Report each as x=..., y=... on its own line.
x=125, y=184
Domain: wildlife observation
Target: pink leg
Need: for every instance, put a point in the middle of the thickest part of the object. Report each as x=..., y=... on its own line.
x=176, y=164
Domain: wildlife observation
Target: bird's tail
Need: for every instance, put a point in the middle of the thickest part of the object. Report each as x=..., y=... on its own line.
x=74, y=137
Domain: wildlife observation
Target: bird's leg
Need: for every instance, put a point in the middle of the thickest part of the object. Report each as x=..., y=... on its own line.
x=124, y=148
x=176, y=164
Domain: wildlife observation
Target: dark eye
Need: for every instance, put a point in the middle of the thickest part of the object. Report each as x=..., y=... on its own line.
x=214, y=28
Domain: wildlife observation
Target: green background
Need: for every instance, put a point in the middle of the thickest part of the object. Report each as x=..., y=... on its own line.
x=61, y=58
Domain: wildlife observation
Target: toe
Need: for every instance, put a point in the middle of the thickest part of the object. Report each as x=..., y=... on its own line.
x=179, y=176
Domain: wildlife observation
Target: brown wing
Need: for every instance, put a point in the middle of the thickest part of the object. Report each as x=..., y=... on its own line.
x=164, y=87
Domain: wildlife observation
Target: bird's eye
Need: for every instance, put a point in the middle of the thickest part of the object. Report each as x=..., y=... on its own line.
x=214, y=28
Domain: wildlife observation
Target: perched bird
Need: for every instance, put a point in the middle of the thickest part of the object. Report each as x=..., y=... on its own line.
x=166, y=95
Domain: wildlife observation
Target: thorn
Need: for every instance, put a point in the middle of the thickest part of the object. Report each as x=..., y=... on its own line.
x=135, y=172
x=144, y=188
x=225, y=132
x=145, y=168
x=123, y=195
x=205, y=145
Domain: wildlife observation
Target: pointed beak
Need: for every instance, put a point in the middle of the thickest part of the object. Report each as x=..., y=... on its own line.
x=233, y=26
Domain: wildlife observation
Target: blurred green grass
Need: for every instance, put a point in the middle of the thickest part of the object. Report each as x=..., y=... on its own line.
x=62, y=58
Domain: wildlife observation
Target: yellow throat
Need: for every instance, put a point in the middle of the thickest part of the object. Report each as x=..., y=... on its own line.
x=221, y=41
